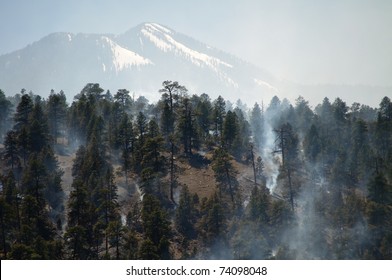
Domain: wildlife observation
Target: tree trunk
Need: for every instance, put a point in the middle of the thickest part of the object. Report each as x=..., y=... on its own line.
x=230, y=187
x=3, y=234
x=290, y=189
x=172, y=171
x=253, y=164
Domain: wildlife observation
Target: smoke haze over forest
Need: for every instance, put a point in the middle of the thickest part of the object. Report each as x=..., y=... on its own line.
x=199, y=130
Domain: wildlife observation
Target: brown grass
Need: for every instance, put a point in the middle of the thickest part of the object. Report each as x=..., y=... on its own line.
x=66, y=162
x=198, y=180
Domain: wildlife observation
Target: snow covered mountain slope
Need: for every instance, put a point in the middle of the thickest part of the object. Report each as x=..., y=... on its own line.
x=201, y=67
x=140, y=60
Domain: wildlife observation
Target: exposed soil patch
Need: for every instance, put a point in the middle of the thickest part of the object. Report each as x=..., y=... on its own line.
x=66, y=162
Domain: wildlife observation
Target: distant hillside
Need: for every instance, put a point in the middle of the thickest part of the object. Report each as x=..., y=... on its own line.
x=143, y=57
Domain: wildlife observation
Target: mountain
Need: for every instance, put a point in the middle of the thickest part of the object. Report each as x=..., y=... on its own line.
x=140, y=60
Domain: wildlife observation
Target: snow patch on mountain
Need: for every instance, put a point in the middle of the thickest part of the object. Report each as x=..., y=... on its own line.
x=195, y=56
x=228, y=80
x=161, y=38
x=141, y=58
x=124, y=58
x=158, y=28
x=161, y=44
x=265, y=84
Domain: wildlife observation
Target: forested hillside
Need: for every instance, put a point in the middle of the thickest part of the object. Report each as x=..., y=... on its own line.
x=109, y=176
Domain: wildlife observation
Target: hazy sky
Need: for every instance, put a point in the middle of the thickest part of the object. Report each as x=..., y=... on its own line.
x=309, y=42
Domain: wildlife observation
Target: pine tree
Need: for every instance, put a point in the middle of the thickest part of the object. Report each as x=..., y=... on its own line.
x=213, y=223
x=5, y=115
x=127, y=140
x=57, y=110
x=219, y=114
x=379, y=214
x=37, y=231
x=287, y=145
x=93, y=92
x=225, y=174
x=81, y=233
x=9, y=213
x=259, y=167
x=124, y=100
x=38, y=131
x=171, y=91
x=152, y=148
x=130, y=246
x=11, y=157
x=53, y=191
x=156, y=227
x=203, y=112
x=108, y=208
x=115, y=232
x=312, y=144
x=257, y=124
x=23, y=110
x=304, y=114
x=242, y=140
x=259, y=205
x=141, y=126
x=92, y=203
x=383, y=129
x=173, y=166
x=167, y=119
x=186, y=126
x=78, y=235
x=340, y=116
x=359, y=152
x=186, y=214
x=230, y=129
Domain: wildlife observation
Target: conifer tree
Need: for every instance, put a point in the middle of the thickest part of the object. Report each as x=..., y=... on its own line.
x=257, y=124
x=156, y=228
x=186, y=125
x=219, y=114
x=38, y=131
x=287, y=145
x=152, y=148
x=203, y=111
x=230, y=129
x=108, y=208
x=115, y=232
x=5, y=115
x=9, y=213
x=383, y=129
x=37, y=231
x=379, y=214
x=11, y=157
x=304, y=114
x=312, y=144
x=186, y=213
x=242, y=139
x=57, y=111
x=127, y=140
x=124, y=100
x=76, y=236
x=171, y=91
x=213, y=223
x=225, y=174
x=23, y=110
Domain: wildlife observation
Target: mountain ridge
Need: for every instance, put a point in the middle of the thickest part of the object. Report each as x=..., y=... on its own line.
x=139, y=59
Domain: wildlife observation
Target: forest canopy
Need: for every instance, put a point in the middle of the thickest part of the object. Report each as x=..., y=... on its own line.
x=109, y=176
